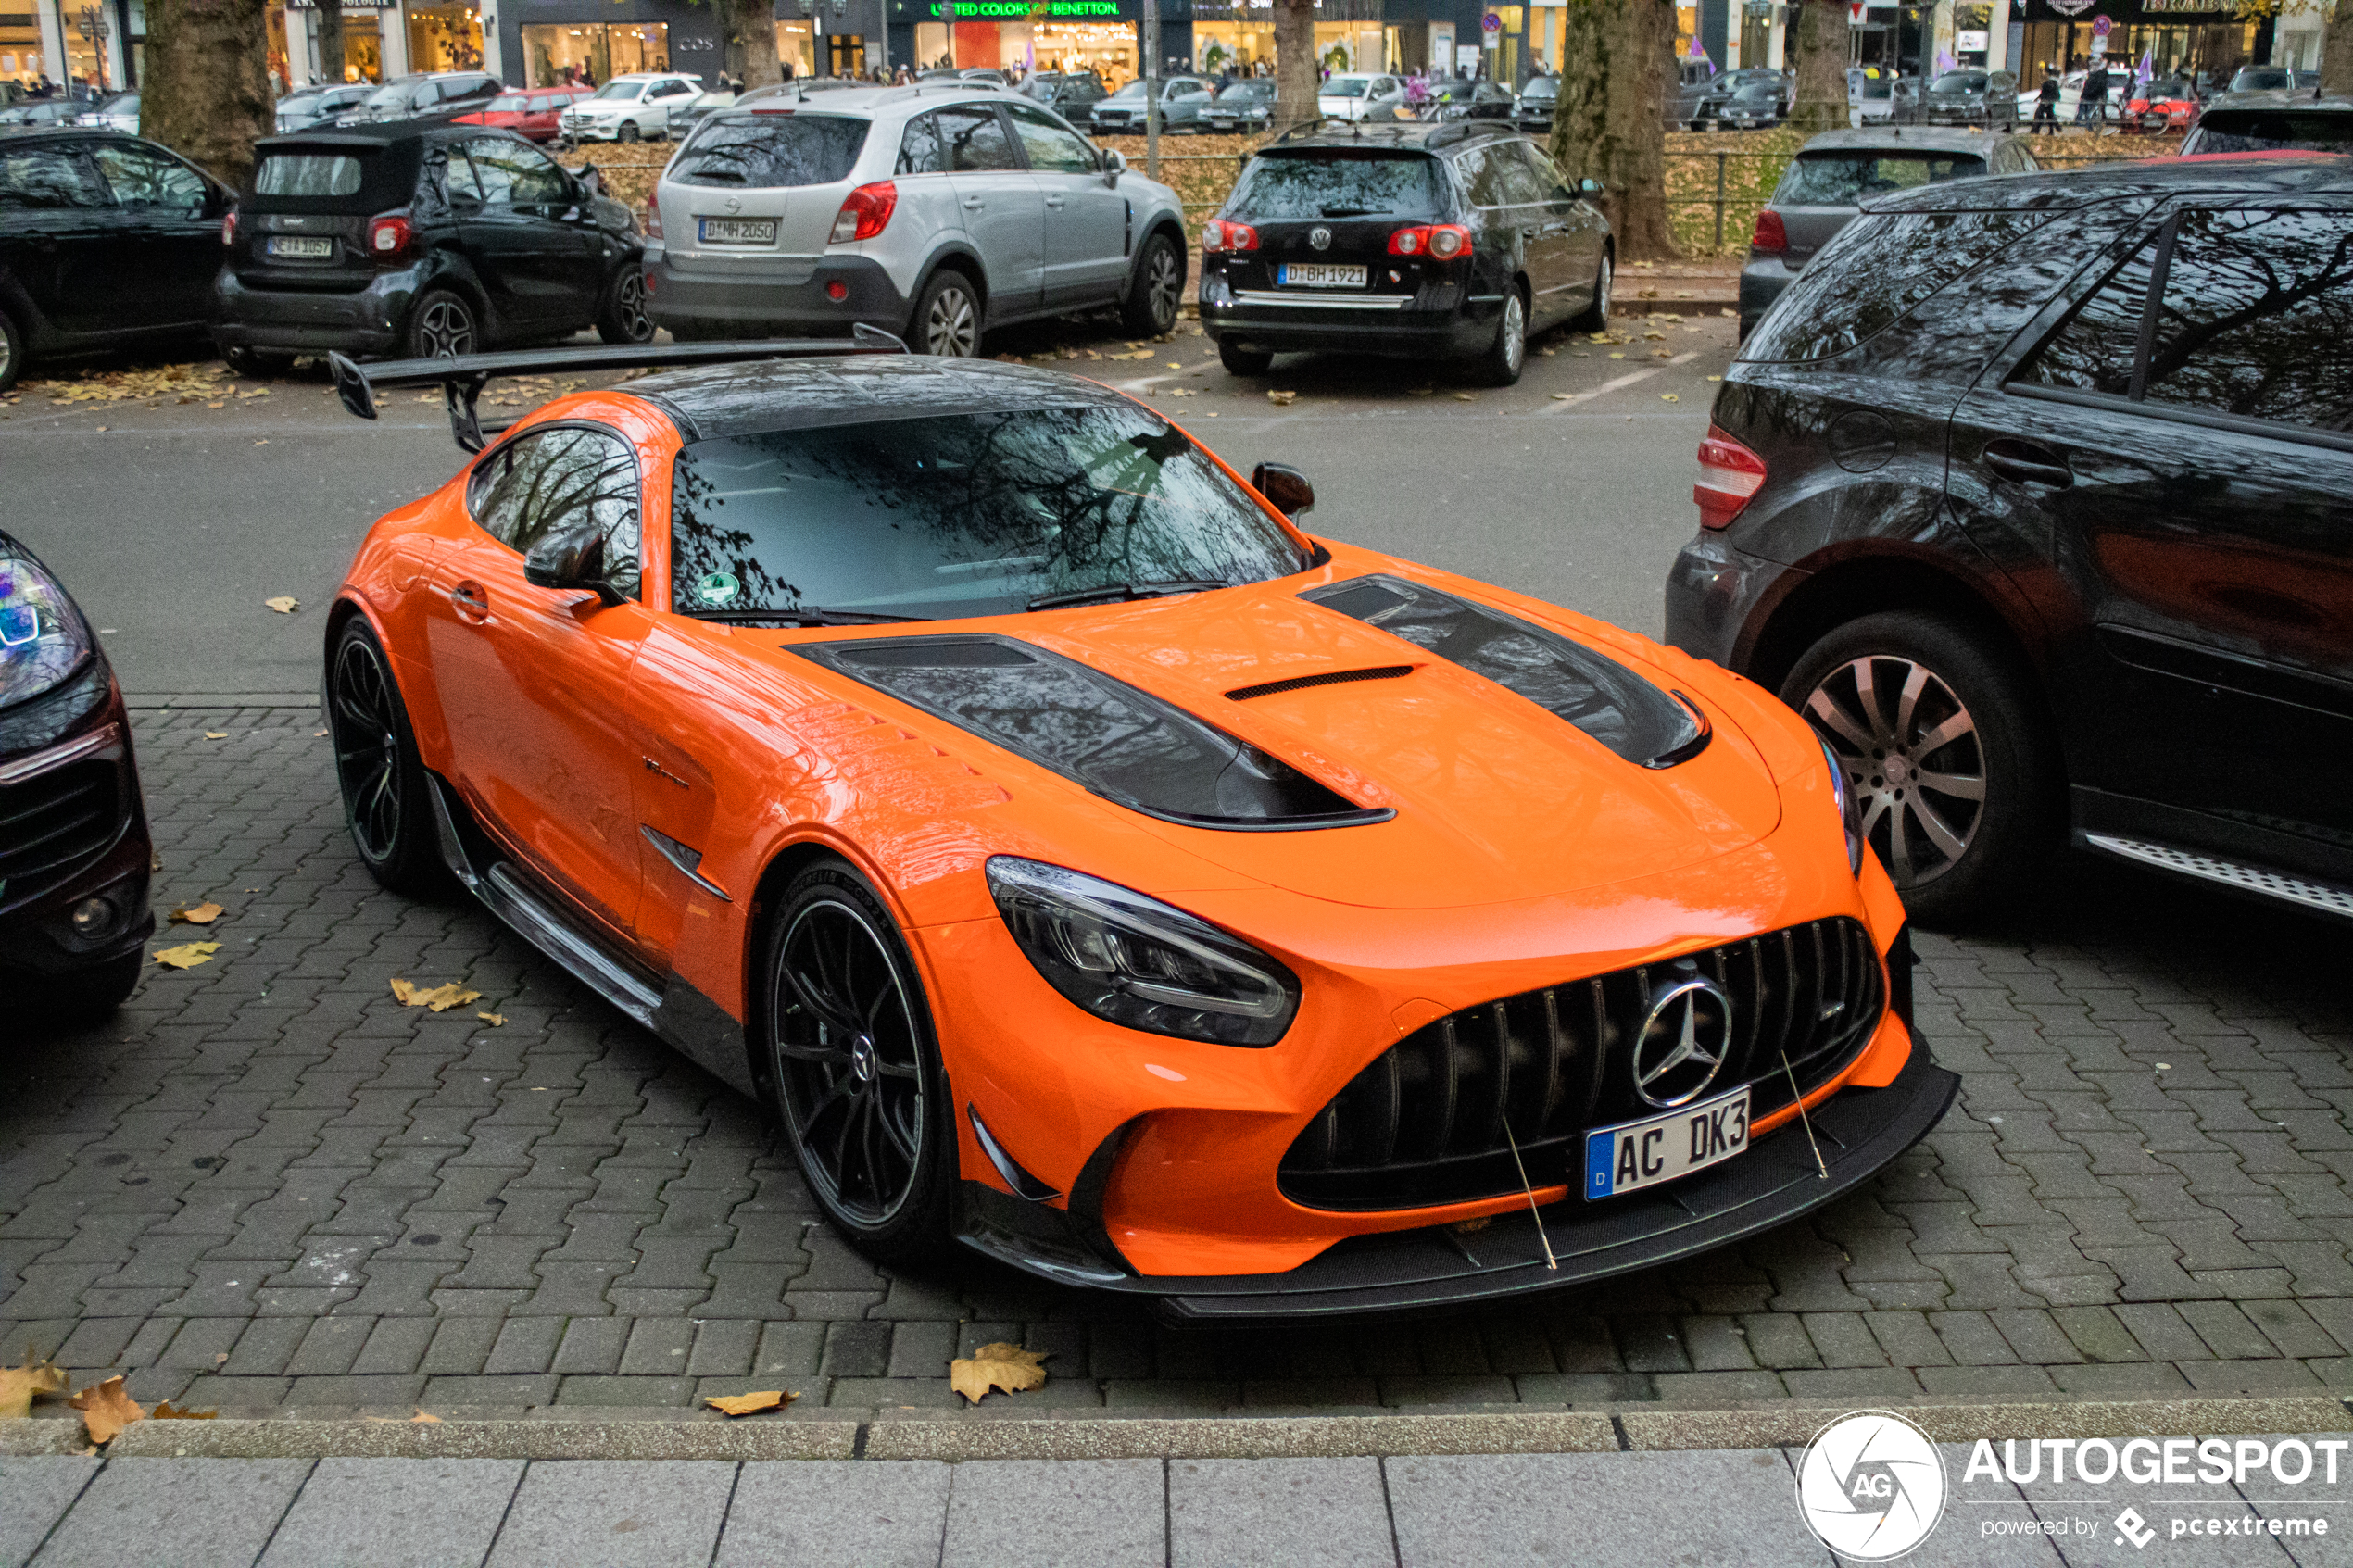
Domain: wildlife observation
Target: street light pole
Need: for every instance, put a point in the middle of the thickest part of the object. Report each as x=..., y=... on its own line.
x=1150, y=28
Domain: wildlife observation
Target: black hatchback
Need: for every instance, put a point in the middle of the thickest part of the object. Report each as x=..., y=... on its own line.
x=2036, y=495
x=1420, y=240
x=419, y=239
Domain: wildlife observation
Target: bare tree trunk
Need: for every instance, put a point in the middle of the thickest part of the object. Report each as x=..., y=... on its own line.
x=1822, y=55
x=751, y=37
x=2336, y=50
x=206, y=91
x=1611, y=122
x=330, y=42
x=1296, y=76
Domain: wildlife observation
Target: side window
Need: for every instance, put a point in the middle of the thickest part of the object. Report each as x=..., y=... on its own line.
x=1483, y=178
x=540, y=483
x=516, y=174
x=1051, y=148
x=142, y=177
x=41, y=178
x=974, y=139
x=1516, y=168
x=919, y=148
x=458, y=176
x=2249, y=296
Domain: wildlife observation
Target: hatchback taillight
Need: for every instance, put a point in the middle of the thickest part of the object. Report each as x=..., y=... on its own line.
x=229, y=227
x=653, y=217
x=387, y=238
x=1728, y=475
x=865, y=212
x=1772, y=237
x=1445, y=241
x=1220, y=235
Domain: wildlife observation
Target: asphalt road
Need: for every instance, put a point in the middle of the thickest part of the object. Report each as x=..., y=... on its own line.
x=172, y=521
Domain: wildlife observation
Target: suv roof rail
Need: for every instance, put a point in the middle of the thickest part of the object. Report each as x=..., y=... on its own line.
x=462, y=377
x=1455, y=131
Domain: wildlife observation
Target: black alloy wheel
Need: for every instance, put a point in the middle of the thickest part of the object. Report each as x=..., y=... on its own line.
x=377, y=765
x=857, y=1070
x=624, y=318
x=1150, y=309
x=442, y=325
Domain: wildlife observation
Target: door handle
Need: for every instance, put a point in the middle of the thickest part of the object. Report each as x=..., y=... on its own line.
x=472, y=599
x=2023, y=462
x=1055, y=204
x=973, y=204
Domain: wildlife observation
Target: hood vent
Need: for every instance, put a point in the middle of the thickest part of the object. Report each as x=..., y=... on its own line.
x=1328, y=678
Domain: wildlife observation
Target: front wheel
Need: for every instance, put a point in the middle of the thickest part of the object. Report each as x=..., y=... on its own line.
x=857, y=1076
x=1944, y=749
x=623, y=319
x=376, y=763
x=1151, y=307
x=629, y=132
x=1500, y=365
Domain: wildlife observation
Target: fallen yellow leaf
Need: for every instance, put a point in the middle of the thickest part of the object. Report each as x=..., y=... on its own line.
x=216, y=734
x=19, y=1385
x=1668, y=398
x=188, y=955
x=1176, y=365
x=748, y=1404
x=169, y=1412
x=424, y=1418
x=284, y=603
x=106, y=1410
x=1008, y=1367
x=441, y=998
x=1715, y=378
x=495, y=1020
x=1618, y=355
x=199, y=914
x=1282, y=399
x=1466, y=397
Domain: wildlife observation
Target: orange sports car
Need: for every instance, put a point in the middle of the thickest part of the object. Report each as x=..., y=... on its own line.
x=1094, y=868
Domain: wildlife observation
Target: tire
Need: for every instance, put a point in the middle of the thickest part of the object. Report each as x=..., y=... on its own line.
x=1503, y=362
x=66, y=1000
x=440, y=323
x=1241, y=361
x=11, y=351
x=382, y=777
x=624, y=318
x=1958, y=856
x=1596, y=317
x=948, y=320
x=628, y=132
x=847, y=1038
x=1151, y=307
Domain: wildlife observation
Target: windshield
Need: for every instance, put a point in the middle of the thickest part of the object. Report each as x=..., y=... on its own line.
x=2165, y=90
x=2272, y=130
x=1959, y=81
x=976, y=514
x=766, y=152
x=1847, y=179
x=1336, y=183
x=2258, y=78
x=1344, y=87
x=620, y=90
x=1542, y=87
x=1241, y=92
x=1131, y=94
x=507, y=103
x=392, y=94
x=1878, y=89
x=1758, y=92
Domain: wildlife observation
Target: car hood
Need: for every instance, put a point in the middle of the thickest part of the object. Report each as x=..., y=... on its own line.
x=1413, y=781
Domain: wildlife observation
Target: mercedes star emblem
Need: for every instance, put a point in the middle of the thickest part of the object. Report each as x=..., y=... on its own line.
x=1682, y=1045
x=1320, y=237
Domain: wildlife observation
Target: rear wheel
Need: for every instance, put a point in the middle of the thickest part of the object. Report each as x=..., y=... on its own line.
x=1596, y=317
x=1151, y=309
x=623, y=319
x=376, y=763
x=947, y=318
x=11, y=352
x=442, y=324
x=857, y=1076
x=1500, y=365
x=1243, y=361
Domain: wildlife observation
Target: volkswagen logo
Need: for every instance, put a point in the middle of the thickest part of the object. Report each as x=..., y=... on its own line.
x=1682, y=1042
x=1319, y=238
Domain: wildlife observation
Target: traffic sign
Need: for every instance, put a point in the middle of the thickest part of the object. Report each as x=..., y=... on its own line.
x=2101, y=27
x=1491, y=22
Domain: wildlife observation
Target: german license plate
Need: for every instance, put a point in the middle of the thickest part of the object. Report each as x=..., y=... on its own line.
x=296, y=248
x=739, y=230
x=1660, y=1148
x=1318, y=275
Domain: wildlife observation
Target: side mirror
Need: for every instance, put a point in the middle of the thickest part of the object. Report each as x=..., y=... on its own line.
x=1286, y=489
x=1114, y=165
x=570, y=559
x=1589, y=187
x=592, y=182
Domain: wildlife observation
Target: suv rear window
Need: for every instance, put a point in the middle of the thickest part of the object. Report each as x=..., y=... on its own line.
x=772, y=150
x=1877, y=269
x=306, y=175
x=1846, y=179
x=1337, y=184
x=2272, y=130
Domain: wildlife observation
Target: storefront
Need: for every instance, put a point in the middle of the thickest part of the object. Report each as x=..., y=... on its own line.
x=556, y=53
x=1097, y=35
x=2201, y=38
x=444, y=37
x=30, y=38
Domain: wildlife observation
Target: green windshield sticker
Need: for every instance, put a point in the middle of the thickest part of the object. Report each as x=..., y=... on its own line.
x=717, y=588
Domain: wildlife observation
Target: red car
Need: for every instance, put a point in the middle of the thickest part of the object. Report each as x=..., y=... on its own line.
x=2164, y=105
x=530, y=114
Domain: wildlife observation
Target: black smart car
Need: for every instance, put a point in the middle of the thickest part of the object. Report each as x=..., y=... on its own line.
x=82, y=212
x=2036, y=495
x=421, y=240
x=1446, y=241
x=74, y=849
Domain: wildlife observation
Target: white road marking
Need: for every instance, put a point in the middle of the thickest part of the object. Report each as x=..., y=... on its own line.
x=1629, y=378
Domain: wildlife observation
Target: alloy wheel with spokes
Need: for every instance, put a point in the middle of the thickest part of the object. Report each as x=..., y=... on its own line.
x=857, y=1076
x=1911, y=753
x=376, y=765
x=625, y=319
x=444, y=327
x=948, y=321
x=1150, y=309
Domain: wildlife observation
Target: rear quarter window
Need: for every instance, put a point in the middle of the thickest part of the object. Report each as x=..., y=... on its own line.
x=1337, y=183
x=1879, y=268
x=769, y=152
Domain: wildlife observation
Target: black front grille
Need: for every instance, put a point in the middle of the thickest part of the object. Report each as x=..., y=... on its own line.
x=1424, y=1123
x=54, y=821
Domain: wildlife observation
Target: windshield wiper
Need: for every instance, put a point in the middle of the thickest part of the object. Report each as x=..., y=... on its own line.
x=804, y=617
x=1111, y=593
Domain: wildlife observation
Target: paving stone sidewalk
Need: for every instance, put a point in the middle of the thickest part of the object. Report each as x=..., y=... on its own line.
x=267, y=1183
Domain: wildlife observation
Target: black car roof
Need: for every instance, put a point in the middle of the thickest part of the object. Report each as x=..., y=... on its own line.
x=2261, y=174
x=380, y=133
x=724, y=400
x=1417, y=135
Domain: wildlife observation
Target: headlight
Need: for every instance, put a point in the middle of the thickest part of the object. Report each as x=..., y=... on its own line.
x=1850, y=810
x=42, y=639
x=1140, y=963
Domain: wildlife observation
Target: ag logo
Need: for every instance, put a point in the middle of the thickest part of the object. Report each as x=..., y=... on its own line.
x=1871, y=1486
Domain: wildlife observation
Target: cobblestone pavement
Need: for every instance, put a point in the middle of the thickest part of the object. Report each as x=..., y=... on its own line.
x=267, y=1182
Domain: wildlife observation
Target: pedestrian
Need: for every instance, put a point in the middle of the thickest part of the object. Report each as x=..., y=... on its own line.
x=2094, y=108
x=2046, y=105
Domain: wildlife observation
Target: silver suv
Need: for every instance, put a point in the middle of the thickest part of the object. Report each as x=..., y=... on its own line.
x=934, y=211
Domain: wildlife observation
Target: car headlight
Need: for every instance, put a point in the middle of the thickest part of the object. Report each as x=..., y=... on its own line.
x=1850, y=810
x=1138, y=962
x=41, y=638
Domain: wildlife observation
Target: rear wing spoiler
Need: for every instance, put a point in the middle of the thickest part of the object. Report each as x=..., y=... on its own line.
x=462, y=377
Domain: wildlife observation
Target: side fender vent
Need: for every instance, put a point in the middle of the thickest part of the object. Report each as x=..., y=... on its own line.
x=1328, y=678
